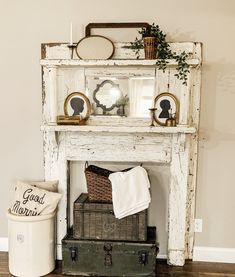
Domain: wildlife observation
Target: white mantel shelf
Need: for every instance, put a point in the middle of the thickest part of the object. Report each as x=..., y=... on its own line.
x=119, y=129
x=97, y=63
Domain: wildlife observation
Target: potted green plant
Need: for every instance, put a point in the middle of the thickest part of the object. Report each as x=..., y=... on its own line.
x=153, y=37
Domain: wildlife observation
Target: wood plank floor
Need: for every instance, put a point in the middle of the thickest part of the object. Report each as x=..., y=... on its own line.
x=191, y=269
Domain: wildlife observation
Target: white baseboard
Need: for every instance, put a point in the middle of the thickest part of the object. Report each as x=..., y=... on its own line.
x=4, y=244
x=214, y=254
x=162, y=256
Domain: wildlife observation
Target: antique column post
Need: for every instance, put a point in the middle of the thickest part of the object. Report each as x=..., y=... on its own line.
x=177, y=199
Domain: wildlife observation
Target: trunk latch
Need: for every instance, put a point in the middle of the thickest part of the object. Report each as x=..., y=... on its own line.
x=108, y=256
x=143, y=257
x=73, y=253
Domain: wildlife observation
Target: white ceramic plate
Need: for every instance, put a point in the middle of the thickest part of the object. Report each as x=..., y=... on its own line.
x=95, y=48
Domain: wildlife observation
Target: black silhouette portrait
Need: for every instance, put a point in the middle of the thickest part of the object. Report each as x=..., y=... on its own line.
x=166, y=106
x=77, y=104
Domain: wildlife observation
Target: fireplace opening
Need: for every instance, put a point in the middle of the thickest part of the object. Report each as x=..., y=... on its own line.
x=159, y=176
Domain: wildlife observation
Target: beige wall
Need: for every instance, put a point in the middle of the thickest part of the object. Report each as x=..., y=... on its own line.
x=25, y=24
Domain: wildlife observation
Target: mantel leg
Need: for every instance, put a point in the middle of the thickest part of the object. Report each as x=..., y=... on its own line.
x=52, y=94
x=177, y=200
x=56, y=168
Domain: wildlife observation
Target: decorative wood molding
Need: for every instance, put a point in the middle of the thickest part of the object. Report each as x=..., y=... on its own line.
x=55, y=51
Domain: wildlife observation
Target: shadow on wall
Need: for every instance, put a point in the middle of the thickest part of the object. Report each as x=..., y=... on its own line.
x=216, y=147
x=217, y=107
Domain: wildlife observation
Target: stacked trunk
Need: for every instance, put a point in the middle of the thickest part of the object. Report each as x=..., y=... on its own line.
x=97, y=221
x=101, y=245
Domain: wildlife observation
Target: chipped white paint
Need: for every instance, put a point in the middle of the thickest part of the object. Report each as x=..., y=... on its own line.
x=184, y=102
x=97, y=63
x=177, y=199
x=52, y=94
x=162, y=81
x=56, y=169
x=194, y=111
x=111, y=138
x=118, y=148
x=182, y=93
x=46, y=114
x=61, y=51
x=137, y=71
x=68, y=80
x=118, y=129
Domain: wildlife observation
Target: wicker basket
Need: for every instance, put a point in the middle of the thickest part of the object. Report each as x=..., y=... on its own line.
x=98, y=185
x=150, y=48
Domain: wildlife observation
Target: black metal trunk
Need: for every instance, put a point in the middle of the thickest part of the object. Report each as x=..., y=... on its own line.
x=109, y=258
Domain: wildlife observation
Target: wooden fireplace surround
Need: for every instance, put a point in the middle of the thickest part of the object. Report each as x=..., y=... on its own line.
x=110, y=139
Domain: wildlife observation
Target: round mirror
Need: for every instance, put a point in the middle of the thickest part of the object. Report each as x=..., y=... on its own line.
x=106, y=95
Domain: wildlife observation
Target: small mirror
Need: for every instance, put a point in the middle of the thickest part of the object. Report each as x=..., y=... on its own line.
x=107, y=95
x=95, y=47
x=129, y=96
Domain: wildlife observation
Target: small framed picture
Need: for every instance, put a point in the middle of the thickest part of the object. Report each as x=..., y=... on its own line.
x=167, y=106
x=77, y=104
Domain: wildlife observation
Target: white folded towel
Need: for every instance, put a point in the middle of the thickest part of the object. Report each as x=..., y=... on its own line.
x=130, y=191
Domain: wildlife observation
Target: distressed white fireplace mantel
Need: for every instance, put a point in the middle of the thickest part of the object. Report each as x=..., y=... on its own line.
x=116, y=139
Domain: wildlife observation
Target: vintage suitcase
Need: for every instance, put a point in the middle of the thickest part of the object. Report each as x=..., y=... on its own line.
x=97, y=221
x=109, y=258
